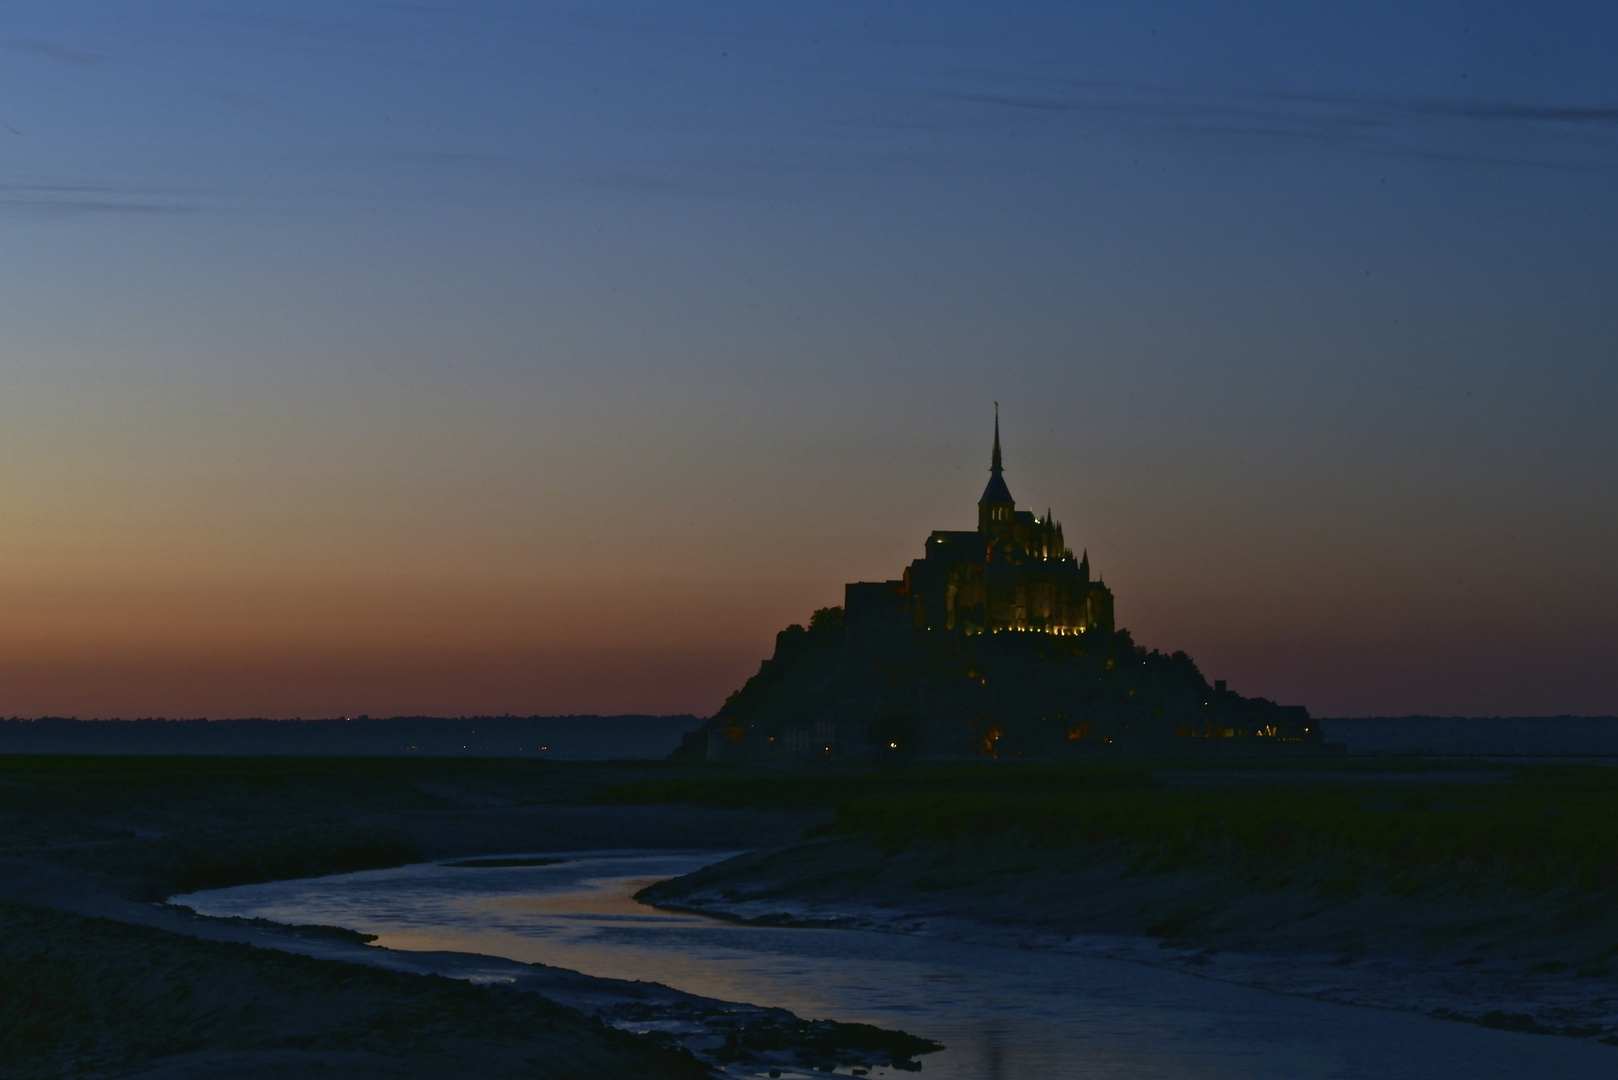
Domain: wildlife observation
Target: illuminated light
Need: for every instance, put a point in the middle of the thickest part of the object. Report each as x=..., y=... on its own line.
x=893, y=746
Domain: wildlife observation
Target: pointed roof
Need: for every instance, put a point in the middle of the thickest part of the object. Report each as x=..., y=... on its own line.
x=996, y=492
x=994, y=462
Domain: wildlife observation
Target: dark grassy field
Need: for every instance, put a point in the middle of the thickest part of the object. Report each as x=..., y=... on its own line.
x=1540, y=827
x=1545, y=829
x=166, y=825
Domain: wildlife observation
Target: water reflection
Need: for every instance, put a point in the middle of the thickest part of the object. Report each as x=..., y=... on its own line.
x=1004, y=1014
x=995, y=1036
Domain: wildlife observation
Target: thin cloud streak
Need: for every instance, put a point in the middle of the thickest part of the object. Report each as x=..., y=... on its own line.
x=1379, y=124
x=65, y=54
x=53, y=199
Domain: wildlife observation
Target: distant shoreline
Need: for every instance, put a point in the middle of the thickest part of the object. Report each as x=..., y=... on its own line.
x=555, y=738
x=1463, y=736
x=651, y=737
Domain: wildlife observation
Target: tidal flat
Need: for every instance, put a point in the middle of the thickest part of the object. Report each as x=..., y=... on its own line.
x=98, y=977
x=84, y=997
x=1481, y=892
x=1470, y=891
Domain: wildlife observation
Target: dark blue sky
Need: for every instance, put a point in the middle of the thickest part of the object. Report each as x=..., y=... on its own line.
x=367, y=357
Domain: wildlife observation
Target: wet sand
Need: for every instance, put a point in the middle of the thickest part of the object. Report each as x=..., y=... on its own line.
x=1493, y=956
x=109, y=840
x=98, y=977
x=91, y=997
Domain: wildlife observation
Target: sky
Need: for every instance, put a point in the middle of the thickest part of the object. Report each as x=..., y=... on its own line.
x=491, y=357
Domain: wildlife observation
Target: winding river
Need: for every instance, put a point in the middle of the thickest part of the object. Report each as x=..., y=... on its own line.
x=1002, y=1013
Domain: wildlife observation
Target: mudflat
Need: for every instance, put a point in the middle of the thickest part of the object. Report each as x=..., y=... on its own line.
x=98, y=997
x=99, y=977
x=1464, y=891
x=1483, y=892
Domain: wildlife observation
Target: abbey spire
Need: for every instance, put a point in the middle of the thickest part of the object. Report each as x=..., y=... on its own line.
x=996, y=507
x=994, y=462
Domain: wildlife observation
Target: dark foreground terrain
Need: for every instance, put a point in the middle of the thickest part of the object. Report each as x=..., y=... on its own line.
x=1478, y=891
x=96, y=997
x=99, y=978
x=1481, y=892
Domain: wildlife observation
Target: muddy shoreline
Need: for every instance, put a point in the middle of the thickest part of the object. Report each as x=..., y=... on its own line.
x=109, y=839
x=100, y=977
x=1488, y=958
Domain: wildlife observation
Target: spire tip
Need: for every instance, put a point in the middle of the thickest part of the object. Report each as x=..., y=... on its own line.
x=994, y=463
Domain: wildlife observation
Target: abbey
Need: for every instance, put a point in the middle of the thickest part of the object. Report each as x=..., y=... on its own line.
x=1013, y=572
x=996, y=642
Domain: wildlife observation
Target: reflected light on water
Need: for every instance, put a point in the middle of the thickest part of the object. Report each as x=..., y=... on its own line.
x=1002, y=1013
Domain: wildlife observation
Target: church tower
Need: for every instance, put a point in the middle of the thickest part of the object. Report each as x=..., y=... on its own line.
x=996, y=508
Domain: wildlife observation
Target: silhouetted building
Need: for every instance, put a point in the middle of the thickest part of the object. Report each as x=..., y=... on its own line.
x=995, y=642
x=1013, y=572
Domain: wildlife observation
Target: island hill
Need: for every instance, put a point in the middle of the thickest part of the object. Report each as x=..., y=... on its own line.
x=995, y=643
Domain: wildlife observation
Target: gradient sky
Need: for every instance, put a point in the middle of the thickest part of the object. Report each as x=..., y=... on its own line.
x=542, y=358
